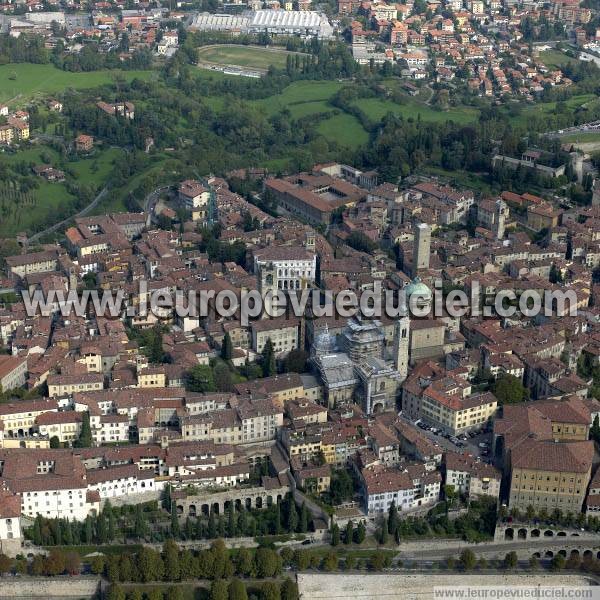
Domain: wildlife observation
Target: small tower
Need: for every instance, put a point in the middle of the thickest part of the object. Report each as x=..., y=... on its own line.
x=72, y=278
x=500, y=220
x=267, y=281
x=422, y=248
x=309, y=240
x=401, y=346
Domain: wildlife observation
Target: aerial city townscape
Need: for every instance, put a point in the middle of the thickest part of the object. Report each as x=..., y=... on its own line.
x=298, y=299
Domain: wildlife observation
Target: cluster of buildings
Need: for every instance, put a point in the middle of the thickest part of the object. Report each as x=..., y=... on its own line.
x=483, y=45
x=124, y=30
x=471, y=44
x=546, y=451
x=371, y=386
x=106, y=24
x=273, y=21
x=14, y=125
x=336, y=228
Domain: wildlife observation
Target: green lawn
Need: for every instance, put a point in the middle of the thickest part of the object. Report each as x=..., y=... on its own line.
x=301, y=93
x=573, y=102
x=96, y=168
x=41, y=205
x=304, y=109
x=276, y=164
x=244, y=56
x=547, y=109
x=46, y=205
x=32, y=154
x=93, y=169
x=50, y=201
x=582, y=137
x=301, y=97
x=22, y=82
x=376, y=109
x=344, y=129
x=310, y=91
x=215, y=102
x=115, y=201
x=553, y=59
x=461, y=179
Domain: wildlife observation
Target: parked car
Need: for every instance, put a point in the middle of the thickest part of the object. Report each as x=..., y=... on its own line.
x=483, y=444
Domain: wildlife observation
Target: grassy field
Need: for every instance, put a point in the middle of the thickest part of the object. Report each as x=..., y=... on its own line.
x=50, y=201
x=244, y=56
x=276, y=164
x=96, y=169
x=42, y=206
x=20, y=83
x=584, y=137
x=215, y=102
x=460, y=179
x=554, y=58
x=376, y=109
x=306, y=98
x=93, y=169
x=345, y=129
x=32, y=154
x=115, y=202
x=304, y=109
x=301, y=93
x=547, y=109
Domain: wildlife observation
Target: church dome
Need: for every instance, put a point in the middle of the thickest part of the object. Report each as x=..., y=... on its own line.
x=422, y=293
x=324, y=342
x=416, y=286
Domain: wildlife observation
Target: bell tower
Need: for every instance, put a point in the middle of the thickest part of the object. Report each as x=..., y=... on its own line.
x=267, y=281
x=401, y=346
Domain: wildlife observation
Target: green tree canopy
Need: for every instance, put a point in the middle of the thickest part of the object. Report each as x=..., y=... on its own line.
x=227, y=348
x=268, y=359
x=200, y=378
x=509, y=390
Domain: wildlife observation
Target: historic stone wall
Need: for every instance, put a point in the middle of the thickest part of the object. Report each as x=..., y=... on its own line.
x=49, y=587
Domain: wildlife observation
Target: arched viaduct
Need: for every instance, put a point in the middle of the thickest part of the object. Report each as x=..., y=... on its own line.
x=218, y=502
x=508, y=532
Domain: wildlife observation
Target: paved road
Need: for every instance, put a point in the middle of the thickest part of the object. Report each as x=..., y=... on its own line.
x=150, y=202
x=316, y=511
x=82, y=213
x=589, y=57
x=584, y=127
x=149, y=206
